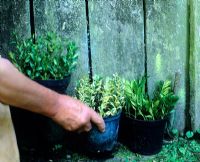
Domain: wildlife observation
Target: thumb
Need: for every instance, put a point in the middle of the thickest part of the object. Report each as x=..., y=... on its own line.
x=97, y=120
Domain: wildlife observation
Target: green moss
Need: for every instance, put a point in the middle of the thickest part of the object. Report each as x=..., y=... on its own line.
x=158, y=63
x=181, y=93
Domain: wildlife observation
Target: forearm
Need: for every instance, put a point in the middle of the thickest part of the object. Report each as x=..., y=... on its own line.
x=20, y=91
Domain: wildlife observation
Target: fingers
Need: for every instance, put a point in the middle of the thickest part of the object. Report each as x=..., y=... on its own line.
x=86, y=128
x=76, y=116
x=97, y=120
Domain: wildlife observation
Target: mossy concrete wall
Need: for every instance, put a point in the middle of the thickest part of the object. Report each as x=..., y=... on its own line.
x=112, y=35
x=14, y=18
x=167, y=47
x=117, y=37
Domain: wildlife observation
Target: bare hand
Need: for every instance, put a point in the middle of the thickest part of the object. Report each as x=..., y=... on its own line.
x=73, y=115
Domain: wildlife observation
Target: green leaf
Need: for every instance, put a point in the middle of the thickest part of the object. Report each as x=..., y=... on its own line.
x=198, y=131
x=55, y=62
x=182, y=150
x=29, y=73
x=175, y=131
x=189, y=134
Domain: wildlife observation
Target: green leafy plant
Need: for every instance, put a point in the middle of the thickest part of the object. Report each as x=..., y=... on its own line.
x=90, y=92
x=50, y=57
x=105, y=96
x=140, y=106
x=113, y=96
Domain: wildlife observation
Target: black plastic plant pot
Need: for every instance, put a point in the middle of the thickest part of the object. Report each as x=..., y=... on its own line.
x=96, y=143
x=59, y=86
x=36, y=132
x=52, y=133
x=104, y=143
x=142, y=137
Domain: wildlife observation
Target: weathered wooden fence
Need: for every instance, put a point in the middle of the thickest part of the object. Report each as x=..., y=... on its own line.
x=130, y=37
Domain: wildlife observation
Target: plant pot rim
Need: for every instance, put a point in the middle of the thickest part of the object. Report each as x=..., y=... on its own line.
x=149, y=121
x=110, y=118
x=52, y=80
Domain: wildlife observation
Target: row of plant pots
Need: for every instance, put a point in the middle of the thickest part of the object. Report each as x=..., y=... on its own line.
x=141, y=135
x=143, y=118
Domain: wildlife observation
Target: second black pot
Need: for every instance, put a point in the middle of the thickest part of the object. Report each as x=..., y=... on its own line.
x=143, y=137
x=96, y=143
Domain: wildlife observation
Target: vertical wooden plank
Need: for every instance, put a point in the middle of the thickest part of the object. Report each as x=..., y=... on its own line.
x=68, y=18
x=167, y=47
x=117, y=37
x=195, y=63
x=14, y=17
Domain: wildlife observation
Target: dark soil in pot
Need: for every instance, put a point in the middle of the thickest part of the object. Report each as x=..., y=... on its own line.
x=96, y=143
x=143, y=137
x=35, y=132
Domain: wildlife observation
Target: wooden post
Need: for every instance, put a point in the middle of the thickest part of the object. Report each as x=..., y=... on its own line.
x=194, y=63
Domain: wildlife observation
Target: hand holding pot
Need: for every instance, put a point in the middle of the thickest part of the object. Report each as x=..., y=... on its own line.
x=18, y=90
x=73, y=115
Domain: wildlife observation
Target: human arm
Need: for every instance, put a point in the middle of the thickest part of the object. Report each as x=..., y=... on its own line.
x=18, y=90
